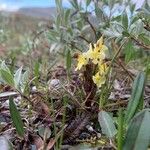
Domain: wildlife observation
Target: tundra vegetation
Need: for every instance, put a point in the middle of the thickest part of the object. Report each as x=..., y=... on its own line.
x=79, y=82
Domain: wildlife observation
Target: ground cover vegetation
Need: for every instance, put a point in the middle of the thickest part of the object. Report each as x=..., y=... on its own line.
x=80, y=82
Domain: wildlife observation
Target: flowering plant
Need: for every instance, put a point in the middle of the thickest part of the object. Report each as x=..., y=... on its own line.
x=95, y=55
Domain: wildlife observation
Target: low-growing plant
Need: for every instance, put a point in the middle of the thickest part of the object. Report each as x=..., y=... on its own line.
x=96, y=39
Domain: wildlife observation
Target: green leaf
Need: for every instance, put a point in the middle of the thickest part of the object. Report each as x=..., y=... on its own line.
x=4, y=67
x=44, y=132
x=16, y=118
x=138, y=133
x=24, y=81
x=7, y=77
x=58, y=21
x=58, y=4
x=98, y=12
x=126, y=34
x=68, y=61
x=36, y=72
x=67, y=15
x=134, y=19
x=17, y=77
x=88, y=2
x=144, y=38
x=74, y=4
x=120, y=130
x=125, y=20
x=136, y=96
x=129, y=51
x=107, y=124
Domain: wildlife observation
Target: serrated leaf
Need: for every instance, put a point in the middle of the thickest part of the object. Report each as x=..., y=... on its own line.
x=7, y=77
x=107, y=124
x=136, y=96
x=16, y=118
x=17, y=77
x=138, y=133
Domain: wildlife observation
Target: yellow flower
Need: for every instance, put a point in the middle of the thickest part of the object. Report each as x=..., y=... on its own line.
x=89, y=53
x=102, y=68
x=97, y=57
x=82, y=60
x=99, y=79
x=99, y=52
x=99, y=43
x=96, y=54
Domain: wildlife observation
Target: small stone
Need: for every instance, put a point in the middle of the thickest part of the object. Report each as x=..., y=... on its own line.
x=54, y=83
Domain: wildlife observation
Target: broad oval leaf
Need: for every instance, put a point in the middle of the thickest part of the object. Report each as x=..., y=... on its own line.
x=16, y=118
x=107, y=124
x=136, y=96
x=138, y=133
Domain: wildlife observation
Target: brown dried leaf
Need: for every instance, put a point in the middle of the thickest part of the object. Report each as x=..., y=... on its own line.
x=74, y=129
x=50, y=144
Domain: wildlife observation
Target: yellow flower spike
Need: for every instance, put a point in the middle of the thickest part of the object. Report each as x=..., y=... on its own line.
x=99, y=79
x=82, y=60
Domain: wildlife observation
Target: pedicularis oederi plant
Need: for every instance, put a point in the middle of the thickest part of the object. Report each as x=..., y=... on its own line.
x=103, y=97
x=95, y=55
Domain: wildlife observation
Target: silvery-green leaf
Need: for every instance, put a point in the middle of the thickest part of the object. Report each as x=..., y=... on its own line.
x=107, y=124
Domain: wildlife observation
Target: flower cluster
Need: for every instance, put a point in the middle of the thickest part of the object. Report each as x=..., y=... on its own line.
x=96, y=54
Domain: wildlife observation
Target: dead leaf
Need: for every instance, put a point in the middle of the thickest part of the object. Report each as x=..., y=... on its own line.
x=50, y=144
